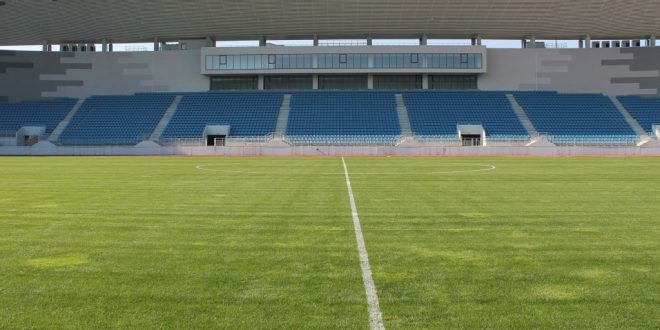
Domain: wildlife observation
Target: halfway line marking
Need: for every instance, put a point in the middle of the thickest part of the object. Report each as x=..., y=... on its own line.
x=375, y=315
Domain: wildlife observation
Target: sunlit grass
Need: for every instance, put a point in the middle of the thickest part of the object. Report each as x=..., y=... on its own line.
x=269, y=242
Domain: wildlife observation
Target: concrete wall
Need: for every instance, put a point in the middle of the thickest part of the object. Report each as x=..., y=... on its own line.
x=614, y=71
x=8, y=141
x=33, y=75
x=310, y=151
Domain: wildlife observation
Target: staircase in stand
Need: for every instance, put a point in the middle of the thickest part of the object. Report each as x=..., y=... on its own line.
x=629, y=119
x=162, y=125
x=402, y=112
x=65, y=123
x=522, y=116
x=283, y=118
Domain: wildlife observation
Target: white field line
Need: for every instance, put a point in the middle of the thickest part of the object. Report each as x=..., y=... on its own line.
x=375, y=315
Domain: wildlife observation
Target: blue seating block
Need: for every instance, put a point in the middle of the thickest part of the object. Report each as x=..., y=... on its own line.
x=343, y=118
x=646, y=110
x=437, y=114
x=250, y=114
x=116, y=120
x=49, y=114
x=570, y=118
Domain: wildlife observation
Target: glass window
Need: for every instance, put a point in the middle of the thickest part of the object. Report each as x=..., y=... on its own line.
x=257, y=62
x=452, y=82
x=344, y=61
x=300, y=62
x=244, y=63
x=234, y=83
x=286, y=59
x=335, y=61
x=378, y=61
x=309, y=61
x=390, y=61
x=328, y=61
x=279, y=61
x=209, y=62
x=288, y=82
x=230, y=63
x=400, y=61
x=389, y=82
x=343, y=82
x=464, y=60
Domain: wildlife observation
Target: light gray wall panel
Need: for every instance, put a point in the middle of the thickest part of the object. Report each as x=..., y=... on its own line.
x=128, y=73
x=20, y=74
x=609, y=71
x=645, y=60
x=33, y=75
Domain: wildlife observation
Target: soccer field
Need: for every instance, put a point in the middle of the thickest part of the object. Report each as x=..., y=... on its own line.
x=271, y=242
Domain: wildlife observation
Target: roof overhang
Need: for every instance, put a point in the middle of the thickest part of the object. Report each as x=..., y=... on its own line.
x=36, y=21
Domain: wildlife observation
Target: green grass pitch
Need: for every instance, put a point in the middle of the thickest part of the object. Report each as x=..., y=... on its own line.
x=251, y=243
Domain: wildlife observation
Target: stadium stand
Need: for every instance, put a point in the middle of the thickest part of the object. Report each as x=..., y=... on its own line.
x=585, y=119
x=435, y=115
x=13, y=116
x=250, y=114
x=116, y=120
x=343, y=118
x=646, y=110
x=338, y=118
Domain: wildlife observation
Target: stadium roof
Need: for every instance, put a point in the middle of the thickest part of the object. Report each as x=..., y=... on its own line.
x=34, y=21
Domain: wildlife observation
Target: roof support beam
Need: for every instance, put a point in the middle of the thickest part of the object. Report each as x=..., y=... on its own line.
x=476, y=40
x=423, y=40
x=532, y=42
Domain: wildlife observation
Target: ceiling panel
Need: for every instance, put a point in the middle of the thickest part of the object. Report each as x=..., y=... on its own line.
x=34, y=21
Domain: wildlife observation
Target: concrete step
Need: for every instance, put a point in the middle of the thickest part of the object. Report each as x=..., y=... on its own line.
x=522, y=116
x=167, y=117
x=57, y=132
x=404, y=119
x=283, y=118
x=639, y=130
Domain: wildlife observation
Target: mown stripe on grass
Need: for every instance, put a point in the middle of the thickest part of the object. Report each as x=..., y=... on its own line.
x=375, y=315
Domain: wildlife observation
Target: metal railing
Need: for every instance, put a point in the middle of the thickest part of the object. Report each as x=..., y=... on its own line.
x=243, y=141
x=8, y=133
x=371, y=140
x=343, y=140
x=342, y=43
x=594, y=140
